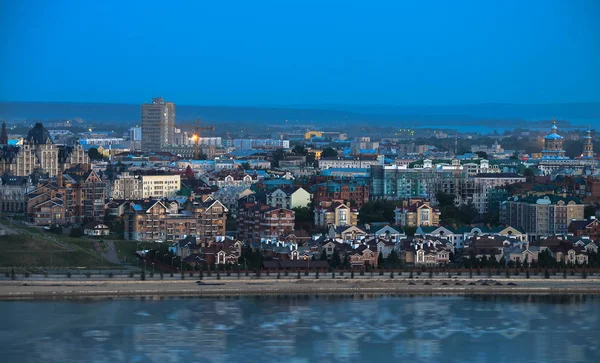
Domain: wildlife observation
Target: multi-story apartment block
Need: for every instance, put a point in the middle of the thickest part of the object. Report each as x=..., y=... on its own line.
x=13, y=193
x=335, y=213
x=160, y=186
x=289, y=198
x=68, y=199
x=469, y=184
x=548, y=215
x=256, y=221
x=486, y=183
x=158, y=124
x=356, y=191
x=127, y=186
x=38, y=152
x=230, y=197
x=156, y=220
x=417, y=214
x=364, y=161
x=211, y=215
x=145, y=221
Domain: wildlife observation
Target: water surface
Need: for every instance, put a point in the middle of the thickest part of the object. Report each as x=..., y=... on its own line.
x=304, y=329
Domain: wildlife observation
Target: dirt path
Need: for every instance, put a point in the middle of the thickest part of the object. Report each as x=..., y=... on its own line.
x=111, y=253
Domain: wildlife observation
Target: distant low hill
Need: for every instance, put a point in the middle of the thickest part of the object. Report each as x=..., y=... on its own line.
x=510, y=114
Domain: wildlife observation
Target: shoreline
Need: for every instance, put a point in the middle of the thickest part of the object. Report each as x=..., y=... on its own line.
x=107, y=289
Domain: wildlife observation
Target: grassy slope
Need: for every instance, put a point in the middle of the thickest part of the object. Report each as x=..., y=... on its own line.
x=35, y=247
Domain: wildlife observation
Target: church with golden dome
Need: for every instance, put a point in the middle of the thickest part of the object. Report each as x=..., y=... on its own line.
x=554, y=158
x=553, y=144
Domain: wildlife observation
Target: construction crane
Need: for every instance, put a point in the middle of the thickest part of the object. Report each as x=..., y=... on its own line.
x=196, y=137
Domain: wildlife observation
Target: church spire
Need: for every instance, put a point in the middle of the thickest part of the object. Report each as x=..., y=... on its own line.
x=588, y=147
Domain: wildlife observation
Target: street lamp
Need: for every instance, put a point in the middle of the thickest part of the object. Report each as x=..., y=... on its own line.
x=152, y=268
x=145, y=265
x=172, y=258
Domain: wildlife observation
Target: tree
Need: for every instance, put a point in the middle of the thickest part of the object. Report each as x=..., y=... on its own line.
x=323, y=255
x=589, y=211
x=393, y=261
x=277, y=156
x=445, y=199
x=380, y=260
x=299, y=150
x=329, y=152
x=482, y=154
x=335, y=261
x=246, y=165
x=304, y=214
x=55, y=228
x=93, y=154
x=76, y=232
x=529, y=173
x=189, y=173
x=377, y=211
x=467, y=213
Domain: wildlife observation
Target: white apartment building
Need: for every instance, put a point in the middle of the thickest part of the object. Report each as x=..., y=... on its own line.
x=364, y=161
x=160, y=186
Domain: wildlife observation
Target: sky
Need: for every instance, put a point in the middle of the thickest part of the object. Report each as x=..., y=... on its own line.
x=281, y=53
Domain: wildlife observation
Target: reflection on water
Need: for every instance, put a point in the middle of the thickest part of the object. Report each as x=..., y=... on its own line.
x=303, y=329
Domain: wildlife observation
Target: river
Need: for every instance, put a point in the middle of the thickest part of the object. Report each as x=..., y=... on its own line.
x=304, y=329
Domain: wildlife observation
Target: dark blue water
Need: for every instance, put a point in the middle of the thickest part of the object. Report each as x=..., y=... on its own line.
x=304, y=329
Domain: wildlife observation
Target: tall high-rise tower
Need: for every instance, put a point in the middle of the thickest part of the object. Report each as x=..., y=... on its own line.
x=588, y=148
x=158, y=124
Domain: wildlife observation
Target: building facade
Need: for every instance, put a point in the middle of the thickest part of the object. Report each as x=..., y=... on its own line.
x=417, y=214
x=289, y=198
x=256, y=221
x=160, y=186
x=336, y=214
x=39, y=153
x=538, y=217
x=158, y=124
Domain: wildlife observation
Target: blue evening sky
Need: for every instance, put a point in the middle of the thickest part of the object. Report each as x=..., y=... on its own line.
x=301, y=52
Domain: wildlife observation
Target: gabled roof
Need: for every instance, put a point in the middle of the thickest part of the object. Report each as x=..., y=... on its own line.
x=582, y=225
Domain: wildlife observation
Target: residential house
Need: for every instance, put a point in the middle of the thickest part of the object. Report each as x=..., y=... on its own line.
x=589, y=228
x=488, y=247
x=363, y=256
x=347, y=233
x=335, y=214
x=96, y=229
x=417, y=214
x=425, y=251
x=289, y=198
